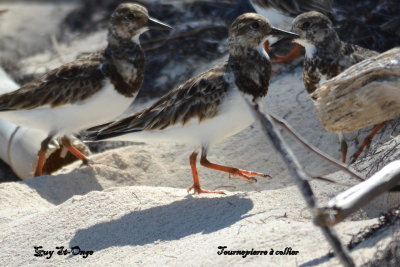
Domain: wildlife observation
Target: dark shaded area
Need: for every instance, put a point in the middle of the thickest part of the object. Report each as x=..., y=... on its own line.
x=201, y=29
x=6, y=173
x=384, y=148
x=374, y=24
x=389, y=256
x=165, y=223
x=389, y=218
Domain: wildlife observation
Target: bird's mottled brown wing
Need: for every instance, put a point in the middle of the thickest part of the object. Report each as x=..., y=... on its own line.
x=70, y=83
x=198, y=98
x=354, y=54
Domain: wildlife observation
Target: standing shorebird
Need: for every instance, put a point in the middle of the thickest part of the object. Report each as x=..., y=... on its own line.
x=283, y=11
x=87, y=91
x=326, y=55
x=211, y=106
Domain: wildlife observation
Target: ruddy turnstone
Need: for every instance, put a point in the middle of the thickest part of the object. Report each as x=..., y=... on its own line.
x=87, y=91
x=326, y=55
x=283, y=11
x=211, y=106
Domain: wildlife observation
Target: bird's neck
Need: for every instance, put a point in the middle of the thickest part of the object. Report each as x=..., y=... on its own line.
x=251, y=69
x=126, y=63
x=123, y=45
x=329, y=47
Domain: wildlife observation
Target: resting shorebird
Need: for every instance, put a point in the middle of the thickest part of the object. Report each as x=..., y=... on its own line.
x=211, y=106
x=326, y=55
x=87, y=91
x=283, y=11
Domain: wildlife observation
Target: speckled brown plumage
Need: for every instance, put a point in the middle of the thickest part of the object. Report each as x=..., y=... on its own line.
x=122, y=62
x=202, y=96
x=326, y=54
x=87, y=91
x=211, y=106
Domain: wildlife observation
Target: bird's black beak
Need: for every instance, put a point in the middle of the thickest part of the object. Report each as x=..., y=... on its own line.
x=279, y=36
x=275, y=35
x=282, y=41
x=155, y=24
x=283, y=34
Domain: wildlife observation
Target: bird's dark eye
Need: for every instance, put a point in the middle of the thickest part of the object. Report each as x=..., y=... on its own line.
x=305, y=25
x=130, y=16
x=255, y=25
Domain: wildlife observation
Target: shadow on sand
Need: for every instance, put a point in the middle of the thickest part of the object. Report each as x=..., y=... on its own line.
x=167, y=222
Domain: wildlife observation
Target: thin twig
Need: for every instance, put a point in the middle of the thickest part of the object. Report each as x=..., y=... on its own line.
x=301, y=178
x=318, y=152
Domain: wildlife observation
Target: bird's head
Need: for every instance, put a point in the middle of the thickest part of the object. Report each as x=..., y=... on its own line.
x=251, y=30
x=313, y=28
x=129, y=20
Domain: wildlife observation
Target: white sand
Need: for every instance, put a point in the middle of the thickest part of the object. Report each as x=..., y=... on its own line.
x=132, y=207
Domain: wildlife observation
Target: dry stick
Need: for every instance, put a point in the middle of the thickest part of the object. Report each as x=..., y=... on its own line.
x=359, y=195
x=342, y=167
x=301, y=178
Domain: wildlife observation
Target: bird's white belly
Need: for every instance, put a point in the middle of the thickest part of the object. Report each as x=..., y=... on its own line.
x=234, y=116
x=101, y=107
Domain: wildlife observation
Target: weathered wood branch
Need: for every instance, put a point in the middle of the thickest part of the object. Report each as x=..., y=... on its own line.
x=365, y=94
x=359, y=195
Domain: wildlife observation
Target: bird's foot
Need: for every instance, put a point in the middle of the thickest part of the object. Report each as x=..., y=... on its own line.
x=247, y=175
x=87, y=162
x=199, y=190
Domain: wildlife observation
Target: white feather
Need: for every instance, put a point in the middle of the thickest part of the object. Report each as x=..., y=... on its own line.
x=135, y=38
x=101, y=107
x=233, y=117
x=310, y=48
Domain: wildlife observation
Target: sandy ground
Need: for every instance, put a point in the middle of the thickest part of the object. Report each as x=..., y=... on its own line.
x=132, y=207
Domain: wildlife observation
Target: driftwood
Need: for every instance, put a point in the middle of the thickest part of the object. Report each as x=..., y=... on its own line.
x=351, y=200
x=365, y=94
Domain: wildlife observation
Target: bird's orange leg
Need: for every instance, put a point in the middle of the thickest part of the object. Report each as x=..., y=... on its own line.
x=233, y=172
x=289, y=57
x=74, y=151
x=367, y=141
x=42, y=156
x=343, y=149
x=196, y=181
